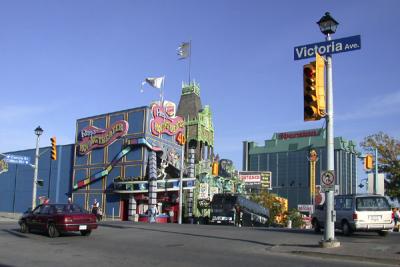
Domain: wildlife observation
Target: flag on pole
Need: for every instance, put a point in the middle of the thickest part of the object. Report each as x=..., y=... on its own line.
x=155, y=82
x=184, y=50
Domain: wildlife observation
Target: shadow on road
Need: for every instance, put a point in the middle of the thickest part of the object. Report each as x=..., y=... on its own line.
x=209, y=236
x=14, y=232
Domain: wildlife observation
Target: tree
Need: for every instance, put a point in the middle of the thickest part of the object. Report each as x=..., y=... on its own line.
x=277, y=210
x=388, y=160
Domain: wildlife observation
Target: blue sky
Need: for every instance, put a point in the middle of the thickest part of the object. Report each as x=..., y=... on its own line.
x=65, y=60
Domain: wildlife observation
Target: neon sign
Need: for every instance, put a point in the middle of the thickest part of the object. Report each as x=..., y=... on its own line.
x=93, y=137
x=162, y=122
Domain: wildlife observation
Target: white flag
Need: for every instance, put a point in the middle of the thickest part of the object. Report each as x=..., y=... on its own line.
x=155, y=82
x=184, y=50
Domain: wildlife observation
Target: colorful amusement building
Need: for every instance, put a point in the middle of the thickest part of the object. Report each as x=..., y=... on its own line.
x=128, y=161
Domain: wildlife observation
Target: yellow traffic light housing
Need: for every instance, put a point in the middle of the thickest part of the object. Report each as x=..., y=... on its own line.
x=368, y=162
x=53, y=148
x=214, y=168
x=314, y=89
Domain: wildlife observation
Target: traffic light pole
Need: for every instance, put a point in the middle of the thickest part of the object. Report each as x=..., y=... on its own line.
x=329, y=233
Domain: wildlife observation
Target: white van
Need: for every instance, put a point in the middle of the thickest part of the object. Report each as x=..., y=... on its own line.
x=357, y=213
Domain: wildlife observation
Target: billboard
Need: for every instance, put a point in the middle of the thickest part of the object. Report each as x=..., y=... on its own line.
x=256, y=179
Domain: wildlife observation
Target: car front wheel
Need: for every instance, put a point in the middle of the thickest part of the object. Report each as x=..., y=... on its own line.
x=24, y=227
x=52, y=231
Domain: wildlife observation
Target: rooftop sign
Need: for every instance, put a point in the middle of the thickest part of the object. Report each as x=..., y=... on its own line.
x=290, y=135
x=165, y=121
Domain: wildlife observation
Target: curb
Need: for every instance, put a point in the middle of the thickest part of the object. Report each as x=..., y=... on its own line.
x=346, y=257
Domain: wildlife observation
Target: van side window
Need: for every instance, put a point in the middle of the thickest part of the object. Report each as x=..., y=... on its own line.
x=348, y=203
x=339, y=203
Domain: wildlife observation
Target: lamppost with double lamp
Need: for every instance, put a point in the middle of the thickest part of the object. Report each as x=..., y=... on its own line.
x=38, y=132
x=328, y=26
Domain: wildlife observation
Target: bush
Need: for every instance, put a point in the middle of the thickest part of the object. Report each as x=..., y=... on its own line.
x=295, y=216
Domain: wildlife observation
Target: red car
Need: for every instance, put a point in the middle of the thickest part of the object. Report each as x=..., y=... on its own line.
x=55, y=219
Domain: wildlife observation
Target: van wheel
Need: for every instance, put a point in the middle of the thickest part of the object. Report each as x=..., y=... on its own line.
x=346, y=229
x=52, y=231
x=383, y=233
x=316, y=226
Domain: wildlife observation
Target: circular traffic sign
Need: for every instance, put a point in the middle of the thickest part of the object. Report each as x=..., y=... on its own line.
x=328, y=178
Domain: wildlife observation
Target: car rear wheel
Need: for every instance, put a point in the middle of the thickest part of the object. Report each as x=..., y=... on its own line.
x=24, y=227
x=52, y=231
x=86, y=232
x=346, y=229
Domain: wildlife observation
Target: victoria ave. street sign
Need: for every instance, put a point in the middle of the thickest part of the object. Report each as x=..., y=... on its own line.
x=328, y=47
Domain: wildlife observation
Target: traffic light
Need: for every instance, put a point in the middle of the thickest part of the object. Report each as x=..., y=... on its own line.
x=214, y=168
x=314, y=89
x=53, y=148
x=368, y=162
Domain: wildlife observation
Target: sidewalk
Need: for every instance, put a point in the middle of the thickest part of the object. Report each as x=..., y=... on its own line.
x=9, y=217
x=359, y=247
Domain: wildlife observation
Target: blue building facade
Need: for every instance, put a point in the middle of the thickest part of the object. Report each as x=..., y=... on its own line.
x=16, y=184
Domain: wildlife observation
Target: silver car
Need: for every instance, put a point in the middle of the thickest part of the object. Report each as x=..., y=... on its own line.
x=355, y=213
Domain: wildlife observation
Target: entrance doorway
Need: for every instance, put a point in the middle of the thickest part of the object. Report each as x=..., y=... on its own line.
x=124, y=209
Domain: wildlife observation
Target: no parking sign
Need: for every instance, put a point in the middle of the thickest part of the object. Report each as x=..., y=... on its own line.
x=328, y=181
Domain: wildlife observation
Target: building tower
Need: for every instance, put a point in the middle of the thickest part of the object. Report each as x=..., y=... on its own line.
x=198, y=122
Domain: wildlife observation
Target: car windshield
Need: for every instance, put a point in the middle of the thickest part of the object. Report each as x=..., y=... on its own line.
x=68, y=208
x=372, y=204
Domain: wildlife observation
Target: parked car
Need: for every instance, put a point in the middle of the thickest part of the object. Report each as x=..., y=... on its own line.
x=356, y=213
x=55, y=219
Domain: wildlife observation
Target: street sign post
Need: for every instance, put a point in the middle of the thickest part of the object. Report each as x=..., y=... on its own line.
x=16, y=159
x=328, y=47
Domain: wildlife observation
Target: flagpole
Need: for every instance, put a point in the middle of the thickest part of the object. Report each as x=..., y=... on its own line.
x=190, y=57
x=162, y=92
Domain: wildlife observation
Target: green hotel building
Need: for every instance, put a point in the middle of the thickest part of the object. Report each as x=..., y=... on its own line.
x=287, y=156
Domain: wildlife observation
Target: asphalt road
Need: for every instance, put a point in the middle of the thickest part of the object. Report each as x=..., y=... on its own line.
x=134, y=244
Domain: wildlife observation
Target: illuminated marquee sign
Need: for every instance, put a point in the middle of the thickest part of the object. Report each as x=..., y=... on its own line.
x=92, y=137
x=291, y=135
x=164, y=120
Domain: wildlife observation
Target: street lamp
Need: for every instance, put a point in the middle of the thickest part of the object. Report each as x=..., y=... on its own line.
x=38, y=132
x=328, y=26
